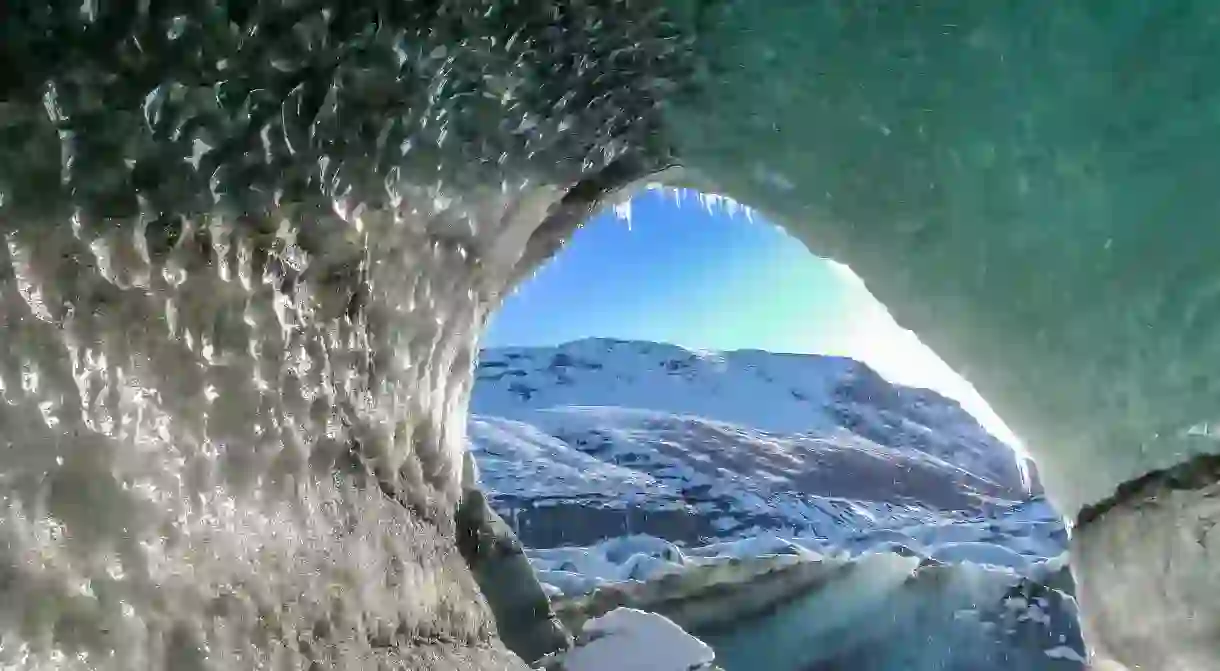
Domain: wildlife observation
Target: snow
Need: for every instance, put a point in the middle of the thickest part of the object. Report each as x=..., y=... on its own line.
x=626, y=639
x=733, y=477
x=757, y=546
x=579, y=570
x=737, y=387
x=983, y=554
x=520, y=459
x=782, y=404
x=771, y=391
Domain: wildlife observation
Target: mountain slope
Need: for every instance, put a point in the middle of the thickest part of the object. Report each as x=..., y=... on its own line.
x=599, y=437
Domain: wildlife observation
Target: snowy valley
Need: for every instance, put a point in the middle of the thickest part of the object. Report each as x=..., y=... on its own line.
x=748, y=496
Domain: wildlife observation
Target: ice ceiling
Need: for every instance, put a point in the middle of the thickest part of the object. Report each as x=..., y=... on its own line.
x=249, y=248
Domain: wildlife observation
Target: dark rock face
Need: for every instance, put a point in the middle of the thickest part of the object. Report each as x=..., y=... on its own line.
x=522, y=611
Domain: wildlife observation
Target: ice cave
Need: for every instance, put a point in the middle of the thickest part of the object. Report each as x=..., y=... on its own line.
x=250, y=246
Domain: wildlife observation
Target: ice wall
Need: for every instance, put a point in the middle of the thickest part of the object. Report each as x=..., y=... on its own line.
x=248, y=250
x=1030, y=188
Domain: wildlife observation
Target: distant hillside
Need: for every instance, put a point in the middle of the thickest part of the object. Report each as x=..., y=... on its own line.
x=599, y=437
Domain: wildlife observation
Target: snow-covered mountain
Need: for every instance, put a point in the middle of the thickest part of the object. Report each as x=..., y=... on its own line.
x=598, y=437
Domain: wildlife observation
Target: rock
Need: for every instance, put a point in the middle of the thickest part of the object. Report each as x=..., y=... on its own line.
x=521, y=608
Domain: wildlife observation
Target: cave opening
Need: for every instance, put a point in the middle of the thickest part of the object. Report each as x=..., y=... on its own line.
x=659, y=375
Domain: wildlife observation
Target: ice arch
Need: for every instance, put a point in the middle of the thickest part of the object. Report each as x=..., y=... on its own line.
x=248, y=249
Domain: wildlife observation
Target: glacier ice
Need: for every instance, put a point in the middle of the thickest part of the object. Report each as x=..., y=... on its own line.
x=802, y=610
x=248, y=249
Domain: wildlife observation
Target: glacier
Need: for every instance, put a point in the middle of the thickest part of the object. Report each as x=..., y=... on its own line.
x=249, y=249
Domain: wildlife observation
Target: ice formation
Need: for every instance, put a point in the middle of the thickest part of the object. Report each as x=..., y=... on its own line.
x=248, y=249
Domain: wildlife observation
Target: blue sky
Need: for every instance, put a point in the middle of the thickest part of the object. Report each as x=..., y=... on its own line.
x=706, y=278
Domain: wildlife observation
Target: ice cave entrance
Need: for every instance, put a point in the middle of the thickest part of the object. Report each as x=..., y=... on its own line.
x=659, y=376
